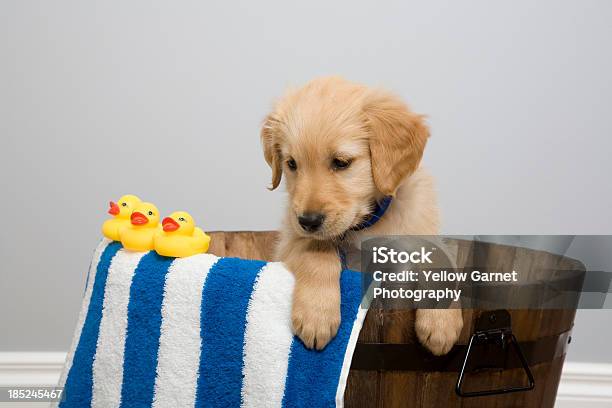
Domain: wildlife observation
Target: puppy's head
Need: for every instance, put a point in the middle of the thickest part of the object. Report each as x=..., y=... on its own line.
x=341, y=147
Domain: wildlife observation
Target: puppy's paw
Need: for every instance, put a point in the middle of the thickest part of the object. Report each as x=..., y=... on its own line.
x=438, y=329
x=316, y=316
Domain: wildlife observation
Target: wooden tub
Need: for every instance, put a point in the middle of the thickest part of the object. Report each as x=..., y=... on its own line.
x=390, y=368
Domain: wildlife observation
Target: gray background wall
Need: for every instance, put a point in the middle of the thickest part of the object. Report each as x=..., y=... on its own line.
x=164, y=99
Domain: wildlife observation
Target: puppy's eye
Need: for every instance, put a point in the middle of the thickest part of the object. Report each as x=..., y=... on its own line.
x=291, y=164
x=340, y=164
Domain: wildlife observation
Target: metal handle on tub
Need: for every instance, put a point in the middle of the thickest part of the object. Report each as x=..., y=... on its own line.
x=494, y=330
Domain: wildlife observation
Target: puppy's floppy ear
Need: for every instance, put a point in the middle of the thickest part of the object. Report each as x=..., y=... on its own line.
x=271, y=148
x=397, y=140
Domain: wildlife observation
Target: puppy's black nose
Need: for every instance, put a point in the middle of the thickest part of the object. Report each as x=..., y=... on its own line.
x=311, y=221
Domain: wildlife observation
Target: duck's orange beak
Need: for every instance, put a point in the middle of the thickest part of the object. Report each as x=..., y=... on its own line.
x=114, y=209
x=138, y=218
x=169, y=224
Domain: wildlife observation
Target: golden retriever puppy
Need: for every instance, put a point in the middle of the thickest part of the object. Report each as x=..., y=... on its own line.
x=343, y=147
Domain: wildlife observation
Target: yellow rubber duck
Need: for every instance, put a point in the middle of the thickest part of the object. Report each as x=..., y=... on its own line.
x=121, y=212
x=138, y=236
x=180, y=237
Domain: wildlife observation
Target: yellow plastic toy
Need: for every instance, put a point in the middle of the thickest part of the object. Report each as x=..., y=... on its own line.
x=121, y=212
x=138, y=236
x=180, y=237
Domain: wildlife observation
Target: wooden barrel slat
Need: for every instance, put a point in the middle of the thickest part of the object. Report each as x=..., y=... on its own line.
x=384, y=389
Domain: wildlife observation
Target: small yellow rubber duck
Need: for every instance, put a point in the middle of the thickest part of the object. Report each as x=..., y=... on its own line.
x=138, y=236
x=180, y=237
x=121, y=212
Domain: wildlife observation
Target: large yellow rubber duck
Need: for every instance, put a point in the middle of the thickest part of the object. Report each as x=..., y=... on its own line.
x=138, y=236
x=180, y=237
x=121, y=212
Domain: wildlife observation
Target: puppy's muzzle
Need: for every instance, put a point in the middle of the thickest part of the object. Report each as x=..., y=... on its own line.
x=311, y=221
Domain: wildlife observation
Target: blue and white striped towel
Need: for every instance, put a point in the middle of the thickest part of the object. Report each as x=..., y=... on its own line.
x=201, y=331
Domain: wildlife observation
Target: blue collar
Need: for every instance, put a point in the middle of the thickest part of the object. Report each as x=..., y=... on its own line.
x=375, y=215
